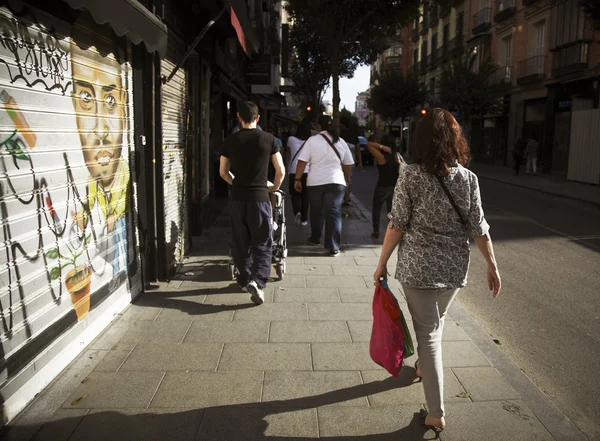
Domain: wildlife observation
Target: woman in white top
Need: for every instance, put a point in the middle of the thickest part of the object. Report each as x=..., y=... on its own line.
x=331, y=164
x=299, y=198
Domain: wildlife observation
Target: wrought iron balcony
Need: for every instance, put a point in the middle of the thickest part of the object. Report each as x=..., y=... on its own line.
x=531, y=70
x=504, y=10
x=570, y=59
x=424, y=64
x=501, y=77
x=432, y=59
x=482, y=21
x=455, y=46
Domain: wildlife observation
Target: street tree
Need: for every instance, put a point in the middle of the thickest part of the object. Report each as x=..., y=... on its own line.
x=396, y=96
x=464, y=88
x=309, y=68
x=592, y=9
x=354, y=31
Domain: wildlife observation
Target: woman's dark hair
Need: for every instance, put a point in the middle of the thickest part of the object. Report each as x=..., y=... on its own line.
x=326, y=124
x=303, y=131
x=438, y=143
x=388, y=141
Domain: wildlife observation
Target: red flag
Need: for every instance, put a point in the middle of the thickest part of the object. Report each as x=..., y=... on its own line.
x=238, y=30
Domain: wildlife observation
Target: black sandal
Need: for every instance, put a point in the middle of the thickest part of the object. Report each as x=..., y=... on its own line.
x=436, y=429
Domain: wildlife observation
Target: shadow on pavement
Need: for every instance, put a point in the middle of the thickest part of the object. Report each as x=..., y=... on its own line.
x=253, y=421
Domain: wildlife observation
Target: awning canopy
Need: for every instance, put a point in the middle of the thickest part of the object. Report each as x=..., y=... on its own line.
x=128, y=17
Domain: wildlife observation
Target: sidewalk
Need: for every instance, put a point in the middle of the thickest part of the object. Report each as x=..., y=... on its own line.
x=195, y=360
x=555, y=185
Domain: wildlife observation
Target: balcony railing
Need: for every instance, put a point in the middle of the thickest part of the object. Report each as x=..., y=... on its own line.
x=501, y=76
x=531, y=70
x=504, y=9
x=415, y=34
x=569, y=59
x=482, y=21
x=455, y=46
x=424, y=64
x=442, y=53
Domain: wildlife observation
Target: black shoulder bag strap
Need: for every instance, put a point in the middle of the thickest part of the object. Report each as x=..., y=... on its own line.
x=298, y=152
x=333, y=147
x=462, y=219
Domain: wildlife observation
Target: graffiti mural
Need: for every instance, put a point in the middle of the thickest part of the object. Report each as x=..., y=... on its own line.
x=65, y=189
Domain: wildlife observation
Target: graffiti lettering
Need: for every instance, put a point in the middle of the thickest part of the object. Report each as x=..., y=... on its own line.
x=36, y=56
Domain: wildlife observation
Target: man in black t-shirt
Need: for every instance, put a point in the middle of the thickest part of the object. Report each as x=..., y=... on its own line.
x=245, y=158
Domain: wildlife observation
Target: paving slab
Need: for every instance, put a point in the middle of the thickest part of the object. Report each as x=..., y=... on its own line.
x=493, y=420
x=114, y=390
x=309, y=269
x=228, y=332
x=315, y=389
x=356, y=295
x=139, y=425
x=306, y=295
x=332, y=261
x=342, y=311
x=291, y=281
x=115, y=358
x=409, y=390
x=354, y=270
x=241, y=298
x=360, y=251
x=309, y=332
x=327, y=282
x=342, y=357
x=62, y=425
x=453, y=331
x=205, y=389
x=485, y=384
x=252, y=424
x=156, y=332
x=398, y=423
x=360, y=330
x=198, y=312
x=462, y=354
x=273, y=311
x=181, y=357
x=265, y=356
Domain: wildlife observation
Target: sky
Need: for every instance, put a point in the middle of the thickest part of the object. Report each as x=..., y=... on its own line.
x=349, y=88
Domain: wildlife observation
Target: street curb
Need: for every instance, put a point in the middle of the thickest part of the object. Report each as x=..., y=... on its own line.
x=551, y=193
x=555, y=422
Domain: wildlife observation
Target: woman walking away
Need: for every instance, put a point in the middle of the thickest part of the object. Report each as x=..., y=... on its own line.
x=388, y=167
x=330, y=171
x=435, y=211
x=299, y=199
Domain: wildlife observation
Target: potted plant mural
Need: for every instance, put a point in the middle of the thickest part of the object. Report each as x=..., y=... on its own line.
x=77, y=280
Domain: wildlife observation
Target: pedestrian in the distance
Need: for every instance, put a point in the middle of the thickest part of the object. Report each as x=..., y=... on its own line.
x=299, y=198
x=436, y=211
x=531, y=152
x=519, y=153
x=244, y=163
x=388, y=168
x=330, y=171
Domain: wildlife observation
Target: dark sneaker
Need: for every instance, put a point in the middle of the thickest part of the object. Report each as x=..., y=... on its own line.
x=311, y=241
x=256, y=294
x=334, y=253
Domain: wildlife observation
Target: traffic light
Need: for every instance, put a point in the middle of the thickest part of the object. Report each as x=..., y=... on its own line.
x=308, y=108
x=423, y=112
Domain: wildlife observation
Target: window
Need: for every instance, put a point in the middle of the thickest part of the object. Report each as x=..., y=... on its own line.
x=568, y=22
x=460, y=24
x=446, y=34
x=507, y=42
x=540, y=37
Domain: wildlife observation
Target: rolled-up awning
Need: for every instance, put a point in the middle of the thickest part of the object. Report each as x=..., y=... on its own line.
x=128, y=17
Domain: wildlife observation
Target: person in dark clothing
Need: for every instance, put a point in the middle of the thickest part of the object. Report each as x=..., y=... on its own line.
x=244, y=164
x=519, y=153
x=388, y=168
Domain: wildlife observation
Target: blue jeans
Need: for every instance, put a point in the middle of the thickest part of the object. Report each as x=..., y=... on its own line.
x=251, y=248
x=326, y=208
x=380, y=196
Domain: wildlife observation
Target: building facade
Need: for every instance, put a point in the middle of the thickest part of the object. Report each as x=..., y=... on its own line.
x=547, y=60
x=361, y=110
x=112, y=120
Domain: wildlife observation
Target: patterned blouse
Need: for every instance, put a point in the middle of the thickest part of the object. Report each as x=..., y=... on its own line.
x=434, y=251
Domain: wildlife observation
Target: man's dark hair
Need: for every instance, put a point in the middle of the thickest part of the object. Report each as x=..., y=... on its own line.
x=303, y=131
x=326, y=123
x=248, y=111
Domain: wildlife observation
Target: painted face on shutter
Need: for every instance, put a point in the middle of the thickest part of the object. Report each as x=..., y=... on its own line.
x=99, y=103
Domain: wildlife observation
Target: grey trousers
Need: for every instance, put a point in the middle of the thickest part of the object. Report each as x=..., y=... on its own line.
x=428, y=308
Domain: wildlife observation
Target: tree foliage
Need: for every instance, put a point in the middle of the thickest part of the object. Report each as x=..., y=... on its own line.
x=310, y=69
x=353, y=31
x=464, y=87
x=396, y=96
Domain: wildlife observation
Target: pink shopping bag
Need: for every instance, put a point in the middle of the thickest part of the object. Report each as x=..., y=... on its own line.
x=387, y=337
